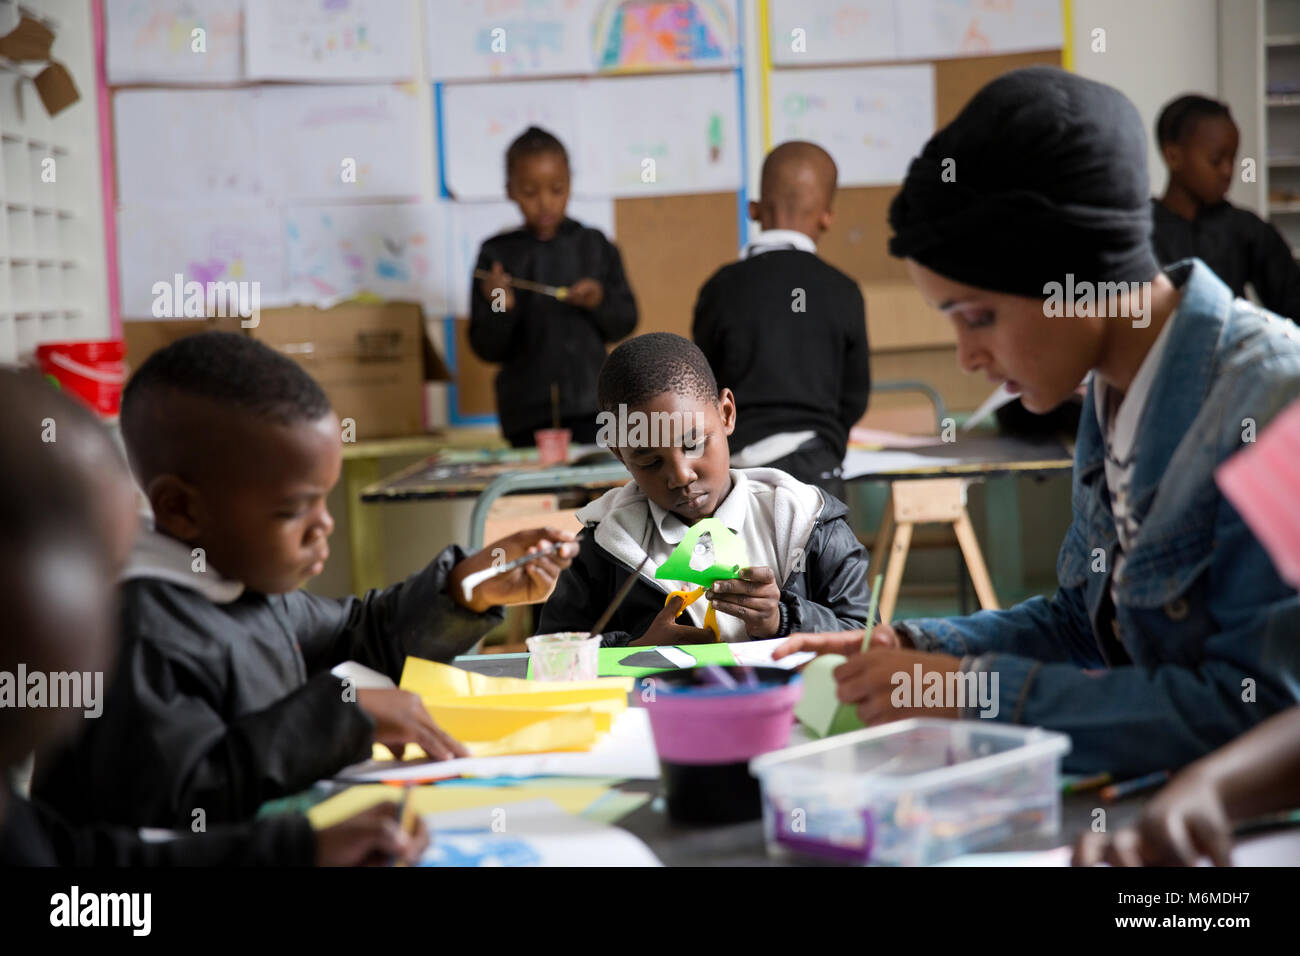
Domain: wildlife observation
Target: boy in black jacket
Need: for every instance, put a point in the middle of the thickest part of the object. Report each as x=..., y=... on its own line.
x=786, y=332
x=1198, y=141
x=664, y=417
x=224, y=697
x=540, y=340
x=62, y=538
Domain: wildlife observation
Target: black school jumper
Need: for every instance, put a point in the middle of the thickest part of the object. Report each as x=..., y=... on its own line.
x=543, y=340
x=791, y=371
x=223, y=706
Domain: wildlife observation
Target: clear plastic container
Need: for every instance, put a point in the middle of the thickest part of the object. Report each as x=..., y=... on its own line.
x=911, y=793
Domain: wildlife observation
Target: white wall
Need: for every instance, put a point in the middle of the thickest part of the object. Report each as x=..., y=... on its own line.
x=1155, y=50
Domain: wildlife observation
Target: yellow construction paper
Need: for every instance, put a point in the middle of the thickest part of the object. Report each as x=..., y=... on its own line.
x=493, y=723
x=428, y=799
x=557, y=731
x=431, y=679
x=612, y=701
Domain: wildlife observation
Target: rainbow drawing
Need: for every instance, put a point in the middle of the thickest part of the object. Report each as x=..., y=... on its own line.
x=639, y=35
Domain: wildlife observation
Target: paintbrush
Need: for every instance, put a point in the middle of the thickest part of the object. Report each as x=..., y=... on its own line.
x=871, y=612
x=618, y=598
x=560, y=292
x=406, y=818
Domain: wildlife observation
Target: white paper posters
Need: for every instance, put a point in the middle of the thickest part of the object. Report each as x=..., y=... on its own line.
x=628, y=136
x=872, y=120
x=330, y=40
x=187, y=145
x=233, y=242
x=395, y=251
x=340, y=142
x=810, y=32
x=943, y=28
x=175, y=41
x=473, y=222
x=473, y=40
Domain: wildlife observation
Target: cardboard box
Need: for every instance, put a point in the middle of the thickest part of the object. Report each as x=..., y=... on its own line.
x=372, y=359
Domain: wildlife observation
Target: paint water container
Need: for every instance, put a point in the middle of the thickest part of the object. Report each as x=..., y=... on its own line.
x=94, y=372
x=706, y=732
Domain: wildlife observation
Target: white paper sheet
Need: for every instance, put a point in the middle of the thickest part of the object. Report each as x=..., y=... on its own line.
x=340, y=143
x=394, y=250
x=1268, y=849
x=860, y=462
x=237, y=241
x=191, y=146
x=872, y=120
x=531, y=833
x=330, y=40
x=627, y=752
x=759, y=654
x=933, y=29
x=363, y=677
x=155, y=41
x=471, y=40
x=807, y=32
x=474, y=222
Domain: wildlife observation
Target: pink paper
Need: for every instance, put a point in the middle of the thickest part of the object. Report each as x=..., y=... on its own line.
x=1263, y=483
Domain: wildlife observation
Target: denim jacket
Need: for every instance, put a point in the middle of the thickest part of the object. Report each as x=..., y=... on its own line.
x=1199, y=609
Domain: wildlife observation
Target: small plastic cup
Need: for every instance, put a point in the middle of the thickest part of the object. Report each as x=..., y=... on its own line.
x=569, y=655
x=552, y=445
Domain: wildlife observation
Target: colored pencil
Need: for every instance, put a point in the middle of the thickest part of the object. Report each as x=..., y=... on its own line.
x=1136, y=785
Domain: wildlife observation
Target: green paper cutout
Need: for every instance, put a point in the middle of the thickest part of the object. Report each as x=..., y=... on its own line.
x=609, y=660
x=728, y=555
x=819, y=710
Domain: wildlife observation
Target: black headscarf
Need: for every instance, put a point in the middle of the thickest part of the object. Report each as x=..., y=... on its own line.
x=1050, y=178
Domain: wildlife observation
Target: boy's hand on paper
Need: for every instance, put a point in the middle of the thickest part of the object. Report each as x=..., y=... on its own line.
x=839, y=642
x=371, y=838
x=866, y=680
x=753, y=597
x=664, y=631
x=1184, y=822
x=529, y=584
x=401, y=718
x=499, y=279
x=586, y=294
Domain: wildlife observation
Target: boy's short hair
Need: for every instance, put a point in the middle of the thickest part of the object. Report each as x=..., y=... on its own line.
x=229, y=370
x=1180, y=116
x=651, y=364
x=532, y=142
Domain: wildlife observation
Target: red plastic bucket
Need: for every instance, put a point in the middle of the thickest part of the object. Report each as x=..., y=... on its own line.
x=93, y=371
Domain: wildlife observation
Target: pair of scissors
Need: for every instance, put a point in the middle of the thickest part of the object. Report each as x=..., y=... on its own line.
x=689, y=598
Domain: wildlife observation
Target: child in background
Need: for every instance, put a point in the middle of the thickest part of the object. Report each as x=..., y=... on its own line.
x=62, y=540
x=786, y=332
x=807, y=567
x=1165, y=597
x=1198, y=141
x=223, y=697
x=539, y=340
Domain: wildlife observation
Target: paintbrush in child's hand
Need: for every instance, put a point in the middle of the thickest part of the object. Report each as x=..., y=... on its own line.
x=560, y=292
x=618, y=598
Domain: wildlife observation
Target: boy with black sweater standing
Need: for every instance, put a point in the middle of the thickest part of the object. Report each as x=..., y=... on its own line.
x=786, y=332
x=542, y=340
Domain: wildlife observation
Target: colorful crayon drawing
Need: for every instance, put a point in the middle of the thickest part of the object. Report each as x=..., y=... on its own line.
x=632, y=35
x=389, y=250
x=151, y=41
x=329, y=39
x=479, y=847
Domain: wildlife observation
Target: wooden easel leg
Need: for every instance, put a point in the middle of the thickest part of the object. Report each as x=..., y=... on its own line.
x=970, y=550
x=894, y=570
x=879, y=556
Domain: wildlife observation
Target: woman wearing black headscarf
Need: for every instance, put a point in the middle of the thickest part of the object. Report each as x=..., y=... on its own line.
x=1026, y=221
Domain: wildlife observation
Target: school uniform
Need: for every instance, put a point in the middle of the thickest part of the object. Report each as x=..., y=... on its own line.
x=1166, y=636
x=544, y=341
x=223, y=697
x=798, y=531
x=34, y=835
x=1240, y=247
x=787, y=333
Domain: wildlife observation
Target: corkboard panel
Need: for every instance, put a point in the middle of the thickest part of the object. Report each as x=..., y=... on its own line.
x=671, y=245
x=473, y=377
x=857, y=242
x=957, y=80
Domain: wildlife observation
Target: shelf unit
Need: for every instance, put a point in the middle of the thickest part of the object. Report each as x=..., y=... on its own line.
x=1281, y=128
x=52, y=275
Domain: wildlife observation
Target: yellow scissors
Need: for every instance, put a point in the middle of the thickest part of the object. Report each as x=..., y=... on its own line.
x=689, y=598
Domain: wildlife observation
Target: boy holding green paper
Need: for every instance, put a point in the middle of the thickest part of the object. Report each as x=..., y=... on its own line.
x=803, y=570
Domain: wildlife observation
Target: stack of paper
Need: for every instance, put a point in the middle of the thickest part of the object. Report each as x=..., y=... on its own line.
x=495, y=716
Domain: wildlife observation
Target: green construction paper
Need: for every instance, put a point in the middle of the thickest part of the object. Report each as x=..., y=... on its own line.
x=728, y=555
x=819, y=710
x=609, y=665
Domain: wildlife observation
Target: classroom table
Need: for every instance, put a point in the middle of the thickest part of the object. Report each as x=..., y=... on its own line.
x=741, y=844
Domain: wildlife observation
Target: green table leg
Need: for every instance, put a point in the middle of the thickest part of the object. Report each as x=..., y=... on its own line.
x=365, y=532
